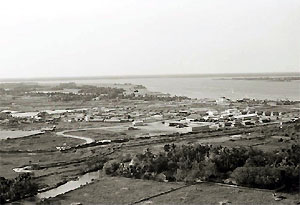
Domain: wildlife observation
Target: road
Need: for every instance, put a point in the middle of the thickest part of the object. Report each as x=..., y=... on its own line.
x=86, y=139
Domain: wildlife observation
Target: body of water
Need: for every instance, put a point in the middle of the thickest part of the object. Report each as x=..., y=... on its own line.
x=212, y=88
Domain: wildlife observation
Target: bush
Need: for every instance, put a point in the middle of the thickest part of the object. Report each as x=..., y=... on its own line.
x=262, y=177
x=125, y=158
x=248, y=166
x=111, y=167
x=18, y=188
x=95, y=164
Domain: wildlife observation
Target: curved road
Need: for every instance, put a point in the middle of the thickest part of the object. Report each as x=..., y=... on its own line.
x=87, y=139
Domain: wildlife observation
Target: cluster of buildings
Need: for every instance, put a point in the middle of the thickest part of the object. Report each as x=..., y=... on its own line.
x=48, y=116
x=213, y=119
x=172, y=114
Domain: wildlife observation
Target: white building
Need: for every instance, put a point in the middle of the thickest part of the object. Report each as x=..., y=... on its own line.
x=199, y=127
x=138, y=123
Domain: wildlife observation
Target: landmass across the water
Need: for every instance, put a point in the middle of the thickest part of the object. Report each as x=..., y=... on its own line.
x=192, y=75
x=270, y=86
x=274, y=78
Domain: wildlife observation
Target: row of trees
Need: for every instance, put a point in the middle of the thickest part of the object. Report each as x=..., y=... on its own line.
x=154, y=97
x=17, y=188
x=106, y=92
x=85, y=93
x=90, y=93
x=243, y=166
x=291, y=130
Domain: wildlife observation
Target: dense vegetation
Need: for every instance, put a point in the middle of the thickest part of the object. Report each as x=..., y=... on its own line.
x=18, y=188
x=18, y=89
x=85, y=92
x=291, y=130
x=104, y=92
x=243, y=166
x=147, y=97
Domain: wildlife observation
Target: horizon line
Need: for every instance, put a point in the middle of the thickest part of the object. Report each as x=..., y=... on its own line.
x=130, y=76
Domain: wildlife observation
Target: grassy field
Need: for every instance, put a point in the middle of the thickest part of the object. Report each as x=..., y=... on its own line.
x=10, y=161
x=114, y=190
x=47, y=141
x=118, y=190
x=100, y=134
x=214, y=194
x=117, y=131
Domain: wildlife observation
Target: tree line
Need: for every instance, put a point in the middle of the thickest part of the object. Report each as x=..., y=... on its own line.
x=14, y=189
x=243, y=166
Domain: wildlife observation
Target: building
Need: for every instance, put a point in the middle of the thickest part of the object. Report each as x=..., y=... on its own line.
x=138, y=123
x=113, y=120
x=199, y=127
x=246, y=117
x=223, y=101
x=177, y=124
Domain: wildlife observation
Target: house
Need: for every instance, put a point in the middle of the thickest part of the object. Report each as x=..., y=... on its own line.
x=183, y=113
x=236, y=136
x=259, y=112
x=238, y=124
x=246, y=117
x=232, y=111
x=228, y=124
x=192, y=118
x=48, y=129
x=212, y=112
x=75, y=117
x=268, y=113
x=157, y=116
x=108, y=109
x=8, y=111
x=248, y=123
x=176, y=124
x=199, y=127
x=94, y=119
x=113, y=120
x=138, y=123
x=265, y=120
x=25, y=115
x=133, y=128
x=223, y=101
x=214, y=126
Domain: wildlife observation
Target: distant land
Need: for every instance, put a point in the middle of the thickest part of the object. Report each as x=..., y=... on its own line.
x=240, y=76
x=265, y=78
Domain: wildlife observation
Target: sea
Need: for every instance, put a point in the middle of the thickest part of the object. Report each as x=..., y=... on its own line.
x=201, y=87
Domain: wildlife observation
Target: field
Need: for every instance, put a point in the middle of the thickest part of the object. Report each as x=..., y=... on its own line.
x=47, y=142
x=117, y=131
x=4, y=134
x=117, y=190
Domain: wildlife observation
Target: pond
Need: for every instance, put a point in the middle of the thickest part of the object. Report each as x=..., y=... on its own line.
x=62, y=189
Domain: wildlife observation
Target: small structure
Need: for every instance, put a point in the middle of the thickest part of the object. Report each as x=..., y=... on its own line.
x=246, y=117
x=176, y=124
x=199, y=127
x=133, y=128
x=138, y=123
x=212, y=112
x=113, y=120
x=223, y=101
x=248, y=123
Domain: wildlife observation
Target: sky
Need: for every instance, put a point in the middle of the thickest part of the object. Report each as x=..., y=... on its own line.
x=67, y=38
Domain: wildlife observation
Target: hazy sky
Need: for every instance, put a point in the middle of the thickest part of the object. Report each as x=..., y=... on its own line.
x=125, y=37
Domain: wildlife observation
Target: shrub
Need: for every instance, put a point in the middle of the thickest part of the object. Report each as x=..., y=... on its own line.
x=262, y=177
x=111, y=167
x=18, y=188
